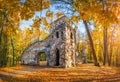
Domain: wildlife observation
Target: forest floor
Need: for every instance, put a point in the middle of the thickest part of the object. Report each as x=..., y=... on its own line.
x=80, y=73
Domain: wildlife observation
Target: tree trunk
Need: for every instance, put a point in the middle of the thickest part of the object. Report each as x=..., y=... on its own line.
x=1, y=34
x=110, y=56
x=105, y=53
x=111, y=47
x=13, y=62
x=111, y=51
x=117, y=57
x=91, y=44
x=3, y=40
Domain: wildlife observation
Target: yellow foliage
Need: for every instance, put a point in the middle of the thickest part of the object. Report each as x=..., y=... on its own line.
x=44, y=35
x=93, y=10
x=46, y=23
x=49, y=14
x=59, y=14
x=87, y=72
x=75, y=18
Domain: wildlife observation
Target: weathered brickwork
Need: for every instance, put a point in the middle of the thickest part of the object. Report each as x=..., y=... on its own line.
x=59, y=47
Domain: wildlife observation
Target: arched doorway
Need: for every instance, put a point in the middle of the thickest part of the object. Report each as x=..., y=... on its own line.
x=57, y=58
x=41, y=59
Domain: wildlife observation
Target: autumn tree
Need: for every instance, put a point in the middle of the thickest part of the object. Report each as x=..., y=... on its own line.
x=99, y=11
x=11, y=13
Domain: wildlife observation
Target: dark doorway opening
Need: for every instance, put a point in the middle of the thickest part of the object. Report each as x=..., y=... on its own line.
x=41, y=59
x=57, y=58
x=57, y=34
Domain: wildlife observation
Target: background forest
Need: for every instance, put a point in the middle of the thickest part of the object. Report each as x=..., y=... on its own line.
x=101, y=41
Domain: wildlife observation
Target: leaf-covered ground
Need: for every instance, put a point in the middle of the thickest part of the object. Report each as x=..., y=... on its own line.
x=81, y=73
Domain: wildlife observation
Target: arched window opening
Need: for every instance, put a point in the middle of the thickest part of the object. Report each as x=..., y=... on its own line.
x=62, y=35
x=71, y=36
x=57, y=34
x=41, y=59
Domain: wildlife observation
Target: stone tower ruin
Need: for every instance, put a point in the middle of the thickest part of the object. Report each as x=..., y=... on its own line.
x=59, y=46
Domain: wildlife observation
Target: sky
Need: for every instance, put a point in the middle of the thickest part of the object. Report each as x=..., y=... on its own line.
x=27, y=23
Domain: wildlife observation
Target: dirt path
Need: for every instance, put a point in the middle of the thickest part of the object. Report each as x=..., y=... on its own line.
x=81, y=73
